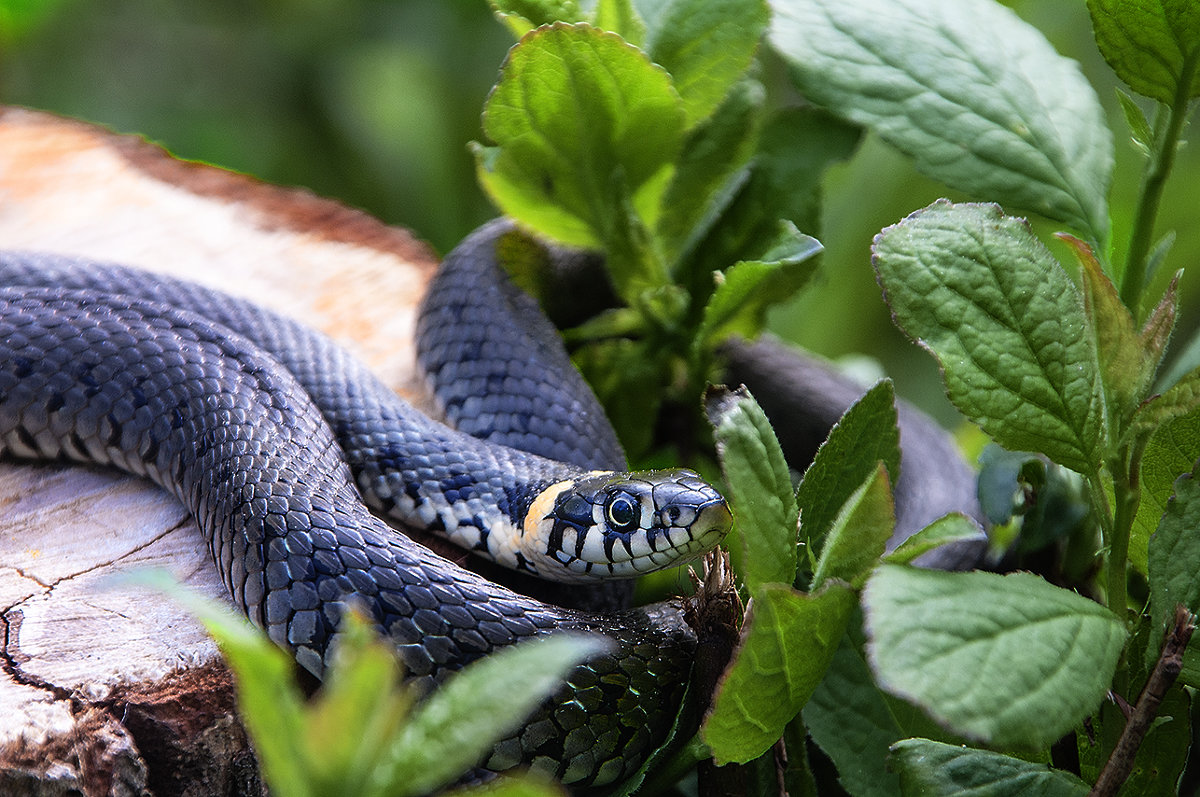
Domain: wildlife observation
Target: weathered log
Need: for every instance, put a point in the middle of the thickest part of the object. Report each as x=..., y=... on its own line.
x=109, y=689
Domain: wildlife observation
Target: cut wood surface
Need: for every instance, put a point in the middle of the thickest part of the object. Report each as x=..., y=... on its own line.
x=110, y=689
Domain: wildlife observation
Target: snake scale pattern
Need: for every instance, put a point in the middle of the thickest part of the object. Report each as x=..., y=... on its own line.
x=212, y=398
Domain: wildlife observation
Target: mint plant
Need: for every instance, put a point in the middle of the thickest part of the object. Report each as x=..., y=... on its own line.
x=659, y=132
x=366, y=734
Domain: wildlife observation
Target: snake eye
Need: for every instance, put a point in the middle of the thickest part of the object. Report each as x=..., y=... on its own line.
x=622, y=511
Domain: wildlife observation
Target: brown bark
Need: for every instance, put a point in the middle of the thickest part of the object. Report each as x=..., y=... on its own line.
x=111, y=690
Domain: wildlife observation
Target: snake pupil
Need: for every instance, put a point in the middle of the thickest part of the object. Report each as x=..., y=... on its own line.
x=622, y=512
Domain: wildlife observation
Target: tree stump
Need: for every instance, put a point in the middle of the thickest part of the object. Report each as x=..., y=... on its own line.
x=108, y=689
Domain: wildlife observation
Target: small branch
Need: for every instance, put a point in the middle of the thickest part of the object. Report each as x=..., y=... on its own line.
x=1170, y=661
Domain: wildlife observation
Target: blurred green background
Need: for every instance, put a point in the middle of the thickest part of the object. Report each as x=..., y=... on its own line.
x=373, y=102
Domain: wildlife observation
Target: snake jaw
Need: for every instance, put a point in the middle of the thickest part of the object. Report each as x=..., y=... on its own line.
x=621, y=525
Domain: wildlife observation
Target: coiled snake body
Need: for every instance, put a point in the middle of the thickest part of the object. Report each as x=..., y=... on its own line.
x=160, y=378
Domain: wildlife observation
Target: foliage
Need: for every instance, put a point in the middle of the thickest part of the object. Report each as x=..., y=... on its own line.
x=364, y=732
x=1059, y=370
x=663, y=132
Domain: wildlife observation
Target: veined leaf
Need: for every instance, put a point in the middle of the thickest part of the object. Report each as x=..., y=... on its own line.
x=1172, y=451
x=452, y=729
x=1009, y=660
x=859, y=533
x=1174, y=553
x=1006, y=323
x=787, y=642
x=749, y=288
x=936, y=769
x=706, y=45
x=945, y=530
x=1154, y=46
x=865, y=436
x=760, y=488
x=977, y=97
x=586, y=131
x=855, y=723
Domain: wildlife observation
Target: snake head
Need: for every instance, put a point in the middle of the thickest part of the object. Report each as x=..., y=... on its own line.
x=621, y=525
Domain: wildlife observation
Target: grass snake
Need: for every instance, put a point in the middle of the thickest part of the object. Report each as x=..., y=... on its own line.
x=272, y=436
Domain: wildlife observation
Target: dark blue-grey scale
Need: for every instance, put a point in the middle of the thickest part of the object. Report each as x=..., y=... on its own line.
x=504, y=377
x=294, y=547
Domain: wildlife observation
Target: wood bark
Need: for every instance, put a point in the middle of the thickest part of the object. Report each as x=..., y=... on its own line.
x=108, y=689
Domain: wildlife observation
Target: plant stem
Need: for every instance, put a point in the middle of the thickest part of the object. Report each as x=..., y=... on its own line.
x=1116, y=543
x=1170, y=661
x=1154, y=180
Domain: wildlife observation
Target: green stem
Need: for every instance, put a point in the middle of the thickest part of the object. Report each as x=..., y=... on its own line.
x=1116, y=522
x=1118, y=550
x=1153, y=182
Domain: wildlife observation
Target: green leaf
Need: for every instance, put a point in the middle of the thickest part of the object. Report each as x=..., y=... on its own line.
x=1174, y=553
x=712, y=165
x=760, y=488
x=1125, y=368
x=523, y=785
x=706, y=45
x=1172, y=451
x=455, y=726
x=619, y=371
x=859, y=534
x=945, y=530
x=977, y=97
x=586, y=129
x=351, y=723
x=1006, y=324
x=521, y=16
x=855, y=723
x=787, y=643
x=1180, y=399
x=269, y=699
x=784, y=180
x=620, y=17
x=936, y=769
x=1009, y=660
x=1156, y=332
x=749, y=288
x=1139, y=127
x=1153, y=45
x=865, y=436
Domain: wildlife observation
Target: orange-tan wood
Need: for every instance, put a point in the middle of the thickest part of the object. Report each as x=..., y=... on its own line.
x=110, y=689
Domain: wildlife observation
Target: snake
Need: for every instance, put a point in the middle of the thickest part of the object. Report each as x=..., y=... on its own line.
x=280, y=444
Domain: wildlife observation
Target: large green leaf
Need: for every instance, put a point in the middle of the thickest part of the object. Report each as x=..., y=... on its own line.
x=760, y=488
x=1006, y=324
x=855, y=723
x=1153, y=45
x=936, y=769
x=712, y=166
x=786, y=646
x=1010, y=660
x=586, y=130
x=976, y=96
